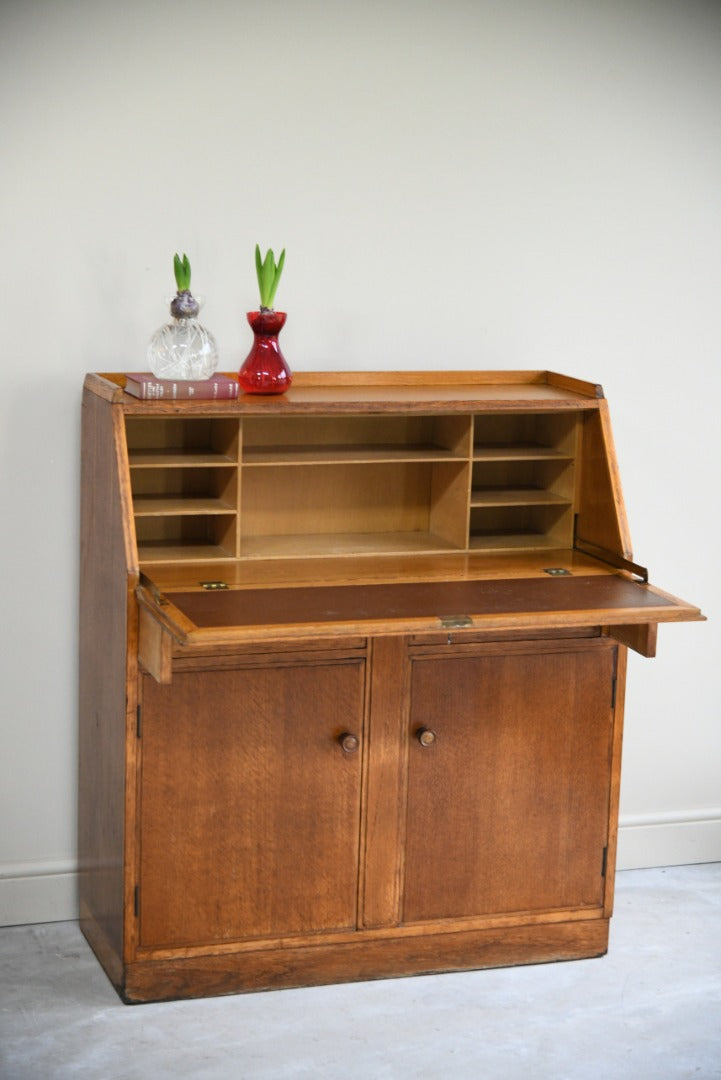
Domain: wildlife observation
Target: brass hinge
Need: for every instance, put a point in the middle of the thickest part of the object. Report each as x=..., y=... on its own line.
x=213, y=586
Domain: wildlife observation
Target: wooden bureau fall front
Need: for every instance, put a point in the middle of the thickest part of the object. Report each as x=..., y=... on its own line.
x=352, y=679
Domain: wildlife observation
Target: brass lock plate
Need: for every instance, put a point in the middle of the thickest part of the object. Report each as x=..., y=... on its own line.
x=455, y=622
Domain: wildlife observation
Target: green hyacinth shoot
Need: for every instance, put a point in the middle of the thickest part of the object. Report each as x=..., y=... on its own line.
x=268, y=272
x=182, y=272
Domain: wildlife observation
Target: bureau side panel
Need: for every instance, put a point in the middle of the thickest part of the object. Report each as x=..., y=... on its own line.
x=601, y=511
x=104, y=588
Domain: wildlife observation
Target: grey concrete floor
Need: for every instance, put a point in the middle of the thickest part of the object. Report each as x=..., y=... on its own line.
x=649, y=1010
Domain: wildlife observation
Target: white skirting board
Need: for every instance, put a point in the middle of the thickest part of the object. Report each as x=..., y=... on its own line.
x=48, y=891
x=669, y=838
x=38, y=892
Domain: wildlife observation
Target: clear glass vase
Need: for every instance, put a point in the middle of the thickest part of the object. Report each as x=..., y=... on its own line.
x=183, y=349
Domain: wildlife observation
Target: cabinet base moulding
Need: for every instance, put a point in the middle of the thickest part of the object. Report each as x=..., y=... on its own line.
x=316, y=965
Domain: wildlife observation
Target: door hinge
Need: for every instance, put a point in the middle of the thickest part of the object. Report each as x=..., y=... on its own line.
x=614, y=684
x=604, y=862
x=139, y=721
x=136, y=901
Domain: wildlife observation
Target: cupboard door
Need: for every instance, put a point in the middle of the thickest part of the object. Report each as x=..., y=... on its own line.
x=508, y=805
x=250, y=805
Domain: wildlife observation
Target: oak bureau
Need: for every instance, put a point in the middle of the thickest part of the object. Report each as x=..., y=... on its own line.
x=352, y=678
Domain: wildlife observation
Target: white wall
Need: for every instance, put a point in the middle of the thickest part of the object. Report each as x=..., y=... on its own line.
x=459, y=185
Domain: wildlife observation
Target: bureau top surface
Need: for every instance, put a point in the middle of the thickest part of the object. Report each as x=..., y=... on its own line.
x=314, y=392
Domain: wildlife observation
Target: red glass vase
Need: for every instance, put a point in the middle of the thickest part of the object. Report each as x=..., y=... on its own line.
x=265, y=370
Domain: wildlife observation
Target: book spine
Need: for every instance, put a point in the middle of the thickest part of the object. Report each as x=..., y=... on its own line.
x=158, y=391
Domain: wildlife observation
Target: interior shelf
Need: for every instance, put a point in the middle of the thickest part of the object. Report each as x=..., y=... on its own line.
x=481, y=497
x=162, y=551
x=325, y=544
x=345, y=454
x=177, y=459
x=518, y=452
x=512, y=541
x=159, y=506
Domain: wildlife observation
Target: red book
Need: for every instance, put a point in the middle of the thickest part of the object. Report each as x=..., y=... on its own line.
x=141, y=384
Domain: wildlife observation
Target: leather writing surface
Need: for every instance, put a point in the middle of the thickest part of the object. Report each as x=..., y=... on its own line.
x=252, y=607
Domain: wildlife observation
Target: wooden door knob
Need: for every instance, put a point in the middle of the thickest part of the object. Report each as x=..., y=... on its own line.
x=426, y=736
x=349, y=743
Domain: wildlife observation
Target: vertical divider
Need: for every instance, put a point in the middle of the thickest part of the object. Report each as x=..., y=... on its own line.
x=239, y=493
x=451, y=482
x=385, y=802
x=471, y=468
